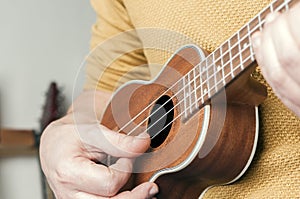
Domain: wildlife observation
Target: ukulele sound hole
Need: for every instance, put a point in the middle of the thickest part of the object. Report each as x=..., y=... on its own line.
x=160, y=121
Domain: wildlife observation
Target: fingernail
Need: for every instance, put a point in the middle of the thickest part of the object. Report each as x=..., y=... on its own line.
x=153, y=190
x=143, y=135
x=255, y=40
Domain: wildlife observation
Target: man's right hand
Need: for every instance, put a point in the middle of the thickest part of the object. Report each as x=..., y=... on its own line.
x=74, y=147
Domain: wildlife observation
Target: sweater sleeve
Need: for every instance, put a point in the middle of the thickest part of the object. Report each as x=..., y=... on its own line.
x=116, y=51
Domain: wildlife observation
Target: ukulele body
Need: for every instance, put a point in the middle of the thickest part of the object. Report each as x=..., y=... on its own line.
x=194, y=145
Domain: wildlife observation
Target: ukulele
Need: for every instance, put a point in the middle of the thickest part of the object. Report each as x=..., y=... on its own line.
x=200, y=112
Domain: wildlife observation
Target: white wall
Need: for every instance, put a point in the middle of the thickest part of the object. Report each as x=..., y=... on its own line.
x=40, y=41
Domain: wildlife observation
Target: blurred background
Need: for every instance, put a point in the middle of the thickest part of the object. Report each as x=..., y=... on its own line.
x=40, y=42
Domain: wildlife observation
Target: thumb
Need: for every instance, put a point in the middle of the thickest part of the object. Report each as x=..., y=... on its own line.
x=122, y=145
x=113, y=143
x=145, y=190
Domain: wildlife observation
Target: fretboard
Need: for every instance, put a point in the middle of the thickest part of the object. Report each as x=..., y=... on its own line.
x=227, y=62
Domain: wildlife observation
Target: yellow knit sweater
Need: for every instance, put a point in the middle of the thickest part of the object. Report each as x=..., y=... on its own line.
x=155, y=29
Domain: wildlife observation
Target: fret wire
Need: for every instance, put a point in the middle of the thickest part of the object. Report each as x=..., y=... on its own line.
x=195, y=90
x=207, y=78
x=200, y=78
x=271, y=7
x=264, y=9
x=249, y=44
x=203, y=80
x=230, y=57
x=222, y=65
x=282, y=5
x=187, y=98
x=180, y=94
x=189, y=92
x=260, y=23
x=286, y=5
x=276, y=5
x=184, y=98
x=241, y=58
x=215, y=72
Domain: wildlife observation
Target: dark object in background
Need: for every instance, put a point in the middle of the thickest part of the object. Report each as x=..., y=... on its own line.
x=53, y=109
x=17, y=142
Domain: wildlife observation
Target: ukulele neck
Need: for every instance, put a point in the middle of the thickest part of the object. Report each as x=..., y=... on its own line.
x=227, y=62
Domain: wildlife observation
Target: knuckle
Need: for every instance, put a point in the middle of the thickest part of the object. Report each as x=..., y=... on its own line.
x=63, y=173
x=277, y=79
x=53, y=125
x=119, y=141
x=127, y=142
x=123, y=144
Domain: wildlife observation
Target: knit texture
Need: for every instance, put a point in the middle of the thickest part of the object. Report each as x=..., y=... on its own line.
x=275, y=171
